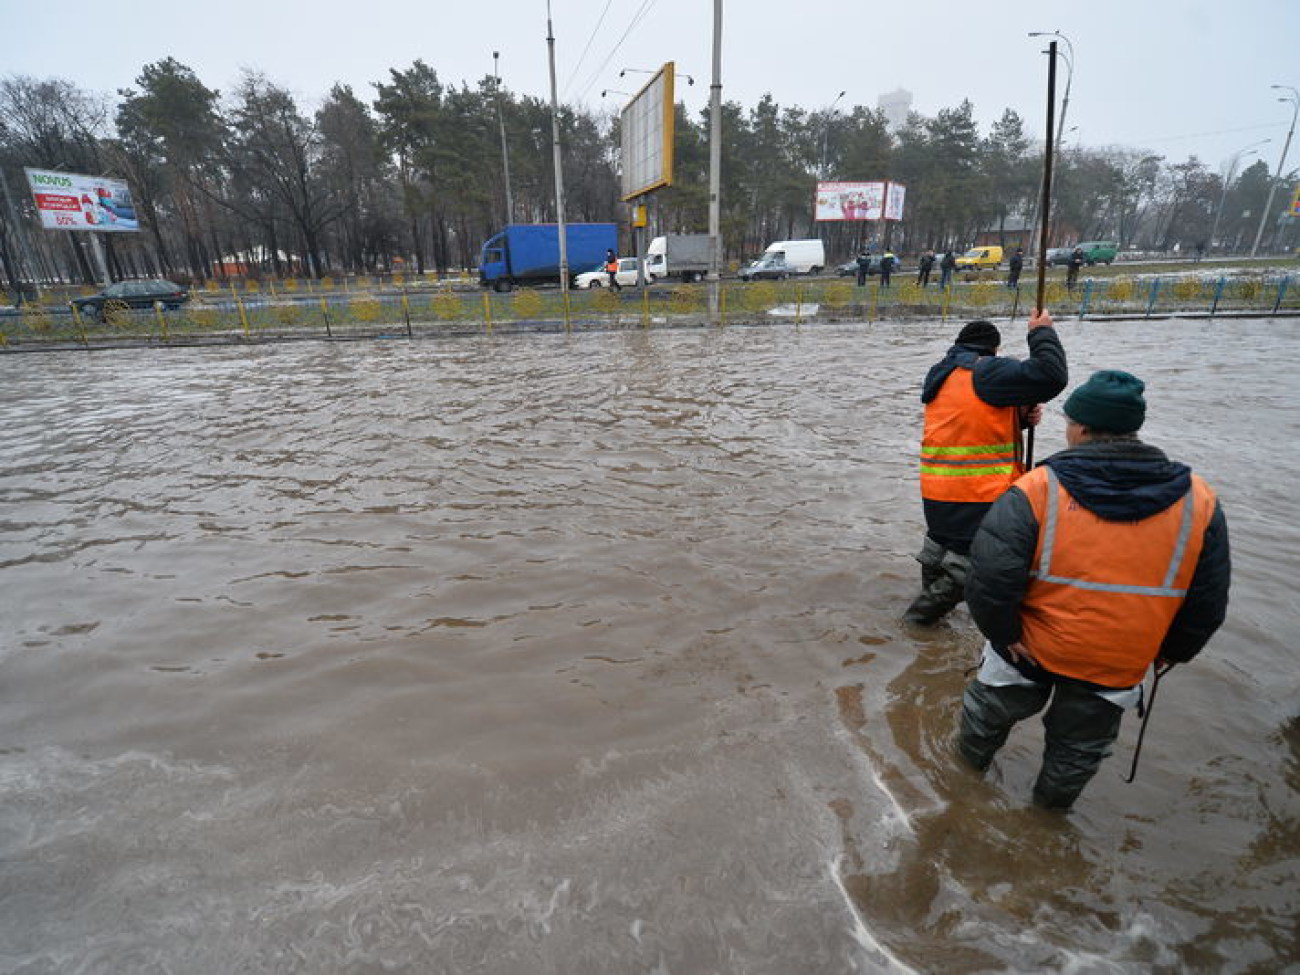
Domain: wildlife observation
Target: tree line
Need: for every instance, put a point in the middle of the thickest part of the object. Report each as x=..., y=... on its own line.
x=414, y=179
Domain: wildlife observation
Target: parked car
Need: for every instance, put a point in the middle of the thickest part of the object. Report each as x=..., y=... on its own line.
x=132, y=294
x=767, y=267
x=849, y=269
x=980, y=257
x=1098, y=251
x=598, y=277
x=1094, y=252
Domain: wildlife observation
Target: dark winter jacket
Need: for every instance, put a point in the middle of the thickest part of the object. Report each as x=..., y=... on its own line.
x=1119, y=481
x=998, y=381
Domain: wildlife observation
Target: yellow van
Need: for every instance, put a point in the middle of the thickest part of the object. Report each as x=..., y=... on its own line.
x=980, y=257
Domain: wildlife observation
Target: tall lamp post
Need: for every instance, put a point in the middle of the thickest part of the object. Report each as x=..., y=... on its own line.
x=505, y=152
x=1294, y=99
x=1227, y=183
x=826, y=131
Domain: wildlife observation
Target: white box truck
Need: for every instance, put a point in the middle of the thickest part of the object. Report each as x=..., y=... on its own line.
x=684, y=256
x=786, y=257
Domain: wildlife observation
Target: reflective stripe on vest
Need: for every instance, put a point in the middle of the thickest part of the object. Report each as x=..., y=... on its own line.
x=970, y=450
x=1044, y=571
x=1099, y=609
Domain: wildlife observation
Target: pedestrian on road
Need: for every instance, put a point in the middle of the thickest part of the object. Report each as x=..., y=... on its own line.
x=1017, y=265
x=946, y=266
x=923, y=268
x=611, y=266
x=1104, y=560
x=887, y=262
x=1072, y=268
x=976, y=405
x=864, y=266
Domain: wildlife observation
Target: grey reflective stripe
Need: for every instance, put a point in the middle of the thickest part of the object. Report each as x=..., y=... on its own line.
x=1044, y=571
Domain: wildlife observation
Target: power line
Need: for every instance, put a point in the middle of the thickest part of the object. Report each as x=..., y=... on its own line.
x=587, y=47
x=1202, y=135
x=640, y=15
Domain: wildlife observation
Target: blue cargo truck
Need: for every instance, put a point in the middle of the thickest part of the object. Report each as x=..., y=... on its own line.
x=529, y=253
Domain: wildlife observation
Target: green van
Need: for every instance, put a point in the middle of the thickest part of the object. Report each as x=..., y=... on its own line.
x=1098, y=251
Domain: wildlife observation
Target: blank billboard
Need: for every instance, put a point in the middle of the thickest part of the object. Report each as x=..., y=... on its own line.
x=648, y=124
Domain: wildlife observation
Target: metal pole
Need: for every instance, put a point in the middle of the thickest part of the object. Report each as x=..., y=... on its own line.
x=826, y=132
x=1227, y=183
x=1045, y=207
x=1294, y=98
x=1046, y=214
x=505, y=152
x=97, y=246
x=715, y=166
x=559, y=172
x=1069, y=79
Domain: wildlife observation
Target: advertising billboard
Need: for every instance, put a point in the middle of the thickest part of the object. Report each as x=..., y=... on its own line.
x=648, y=126
x=68, y=201
x=894, y=198
x=859, y=201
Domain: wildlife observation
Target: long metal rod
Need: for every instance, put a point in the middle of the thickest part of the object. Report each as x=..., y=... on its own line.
x=1046, y=205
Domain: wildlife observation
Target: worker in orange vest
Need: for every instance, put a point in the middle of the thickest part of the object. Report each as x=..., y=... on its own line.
x=611, y=265
x=1105, y=560
x=976, y=405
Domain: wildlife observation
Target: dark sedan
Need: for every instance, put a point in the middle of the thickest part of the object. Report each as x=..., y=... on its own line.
x=132, y=294
x=850, y=268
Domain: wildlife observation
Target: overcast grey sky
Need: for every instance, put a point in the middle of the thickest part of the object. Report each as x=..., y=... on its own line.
x=1174, y=77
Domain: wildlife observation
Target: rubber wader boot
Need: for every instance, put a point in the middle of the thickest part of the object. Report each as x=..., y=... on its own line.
x=943, y=583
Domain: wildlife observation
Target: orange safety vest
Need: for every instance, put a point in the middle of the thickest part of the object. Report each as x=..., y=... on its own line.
x=1102, y=594
x=611, y=266
x=970, y=451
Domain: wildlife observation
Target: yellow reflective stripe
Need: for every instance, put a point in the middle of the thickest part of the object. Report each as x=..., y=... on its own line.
x=994, y=448
x=967, y=471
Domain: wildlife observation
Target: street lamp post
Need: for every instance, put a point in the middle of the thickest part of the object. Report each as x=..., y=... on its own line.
x=1227, y=182
x=505, y=152
x=1294, y=99
x=826, y=131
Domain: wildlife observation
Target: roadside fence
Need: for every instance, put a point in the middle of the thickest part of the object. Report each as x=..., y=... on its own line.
x=292, y=310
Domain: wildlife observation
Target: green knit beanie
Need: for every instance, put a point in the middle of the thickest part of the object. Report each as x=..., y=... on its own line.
x=1110, y=401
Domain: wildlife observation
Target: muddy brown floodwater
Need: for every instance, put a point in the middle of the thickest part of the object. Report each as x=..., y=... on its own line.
x=582, y=654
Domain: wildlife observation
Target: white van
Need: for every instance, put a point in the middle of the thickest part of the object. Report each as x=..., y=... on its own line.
x=801, y=256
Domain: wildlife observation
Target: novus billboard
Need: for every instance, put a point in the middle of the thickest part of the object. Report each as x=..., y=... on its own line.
x=68, y=201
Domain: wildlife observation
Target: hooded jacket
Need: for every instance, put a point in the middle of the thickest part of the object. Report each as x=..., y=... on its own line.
x=998, y=381
x=1117, y=481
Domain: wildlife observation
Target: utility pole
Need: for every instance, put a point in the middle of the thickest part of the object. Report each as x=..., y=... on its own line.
x=559, y=173
x=715, y=166
x=1294, y=98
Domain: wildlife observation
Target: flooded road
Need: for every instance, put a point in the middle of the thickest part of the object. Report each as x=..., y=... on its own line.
x=582, y=654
